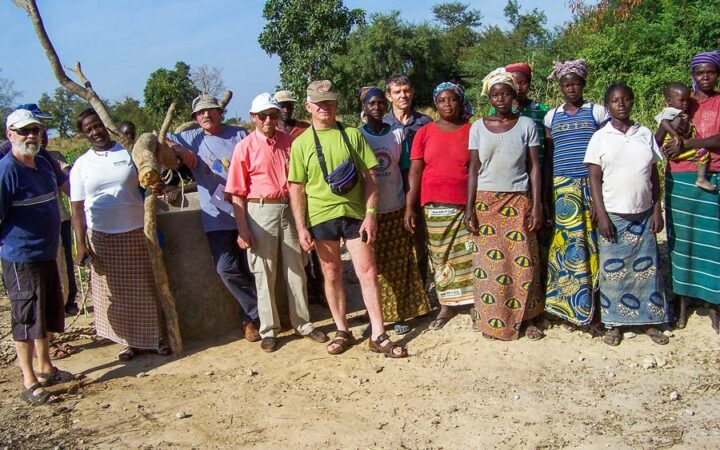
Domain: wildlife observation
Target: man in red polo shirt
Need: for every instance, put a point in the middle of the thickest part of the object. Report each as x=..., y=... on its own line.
x=257, y=181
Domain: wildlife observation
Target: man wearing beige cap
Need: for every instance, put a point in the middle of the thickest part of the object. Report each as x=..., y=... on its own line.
x=207, y=152
x=294, y=127
x=257, y=180
x=331, y=183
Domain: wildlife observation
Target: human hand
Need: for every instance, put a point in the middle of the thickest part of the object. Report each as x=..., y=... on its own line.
x=84, y=255
x=245, y=239
x=606, y=228
x=409, y=219
x=305, y=238
x=658, y=223
x=369, y=229
x=470, y=221
x=186, y=156
x=535, y=219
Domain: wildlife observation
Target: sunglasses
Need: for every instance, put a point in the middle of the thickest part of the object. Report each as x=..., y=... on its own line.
x=273, y=116
x=27, y=131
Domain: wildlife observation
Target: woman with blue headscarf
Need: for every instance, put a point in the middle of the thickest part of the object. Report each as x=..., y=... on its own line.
x=402, y=292
x=438, y=180
x=693, y=215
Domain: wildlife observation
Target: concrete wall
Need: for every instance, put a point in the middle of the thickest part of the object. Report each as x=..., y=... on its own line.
x=204, y=306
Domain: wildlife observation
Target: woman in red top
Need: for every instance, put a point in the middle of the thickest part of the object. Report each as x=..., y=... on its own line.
x=438, y=180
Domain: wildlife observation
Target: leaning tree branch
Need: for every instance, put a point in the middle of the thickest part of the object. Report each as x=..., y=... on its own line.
x=86, y=92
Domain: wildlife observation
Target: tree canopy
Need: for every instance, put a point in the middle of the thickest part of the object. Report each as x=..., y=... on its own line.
x=166, y=86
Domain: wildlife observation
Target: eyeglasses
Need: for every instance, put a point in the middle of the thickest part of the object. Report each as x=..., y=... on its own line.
x=27, y=131
x=273, y=116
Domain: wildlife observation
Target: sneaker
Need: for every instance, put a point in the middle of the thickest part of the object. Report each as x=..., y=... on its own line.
x=317, y=336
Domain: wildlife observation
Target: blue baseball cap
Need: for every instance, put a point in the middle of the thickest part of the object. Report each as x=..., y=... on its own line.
x=35, y=109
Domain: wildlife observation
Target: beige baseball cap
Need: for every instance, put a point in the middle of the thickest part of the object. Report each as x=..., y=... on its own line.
x=285, y=96
x=21, y=118
x=320, y=91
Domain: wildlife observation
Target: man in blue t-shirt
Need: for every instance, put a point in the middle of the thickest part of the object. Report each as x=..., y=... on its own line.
x=207, y=151
x=30, y=232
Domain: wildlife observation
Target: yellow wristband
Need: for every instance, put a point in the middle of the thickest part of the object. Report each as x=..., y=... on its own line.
x=371, y=210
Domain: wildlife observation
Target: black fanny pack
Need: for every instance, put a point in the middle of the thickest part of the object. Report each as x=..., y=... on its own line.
x=345, y=176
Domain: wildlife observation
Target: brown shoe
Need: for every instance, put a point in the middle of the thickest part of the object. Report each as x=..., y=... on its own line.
x=251, y=332
x=317, y=336
x=268, y=344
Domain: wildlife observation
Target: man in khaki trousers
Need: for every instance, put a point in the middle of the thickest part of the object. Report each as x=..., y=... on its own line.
x=257, y=181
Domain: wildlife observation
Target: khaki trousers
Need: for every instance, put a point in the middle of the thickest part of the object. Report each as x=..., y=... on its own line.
x=276, y=252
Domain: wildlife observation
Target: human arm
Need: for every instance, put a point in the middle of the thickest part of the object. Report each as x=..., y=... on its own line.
x=369, y=224
x=187, y=156
x=298, y=205
x=536, y=214
x=710, y=143
x=245, y=238
x=79, y=226
x=657, y=223
x=547, y=178
x=604, y=224
x=470, y=219
x=664, y=128
x=413, y=195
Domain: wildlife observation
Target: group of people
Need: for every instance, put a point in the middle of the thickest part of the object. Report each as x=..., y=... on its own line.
x=529, y=209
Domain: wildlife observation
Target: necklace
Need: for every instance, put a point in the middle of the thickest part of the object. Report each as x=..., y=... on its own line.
x=102, y=152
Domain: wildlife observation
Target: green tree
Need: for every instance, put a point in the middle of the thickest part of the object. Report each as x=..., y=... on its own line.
x=305, y=34
x=385, y=45
x=459, y=26
x=64, y=107
x=166, y=86
x=454, y=15
x=130, y=109
x=8, y=94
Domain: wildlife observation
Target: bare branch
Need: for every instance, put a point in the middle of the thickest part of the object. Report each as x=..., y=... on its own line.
x=227, y=96
x=166, y=123
x=87, y=93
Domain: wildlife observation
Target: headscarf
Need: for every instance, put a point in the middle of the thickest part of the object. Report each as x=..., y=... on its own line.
x=497, y=76
x=706, y=58
x=367, y=93
x=560, y=69
x=458, y=89
x=520, y=67
x=712, y=57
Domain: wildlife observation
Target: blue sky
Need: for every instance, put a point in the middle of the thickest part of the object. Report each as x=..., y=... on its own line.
x=120, y=42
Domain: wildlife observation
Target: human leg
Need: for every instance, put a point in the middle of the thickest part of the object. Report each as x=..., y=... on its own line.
x=701, y=180
x=264, y=222
x=331, y=264
x=231, y=265
x=72, y=289
x=293, y=260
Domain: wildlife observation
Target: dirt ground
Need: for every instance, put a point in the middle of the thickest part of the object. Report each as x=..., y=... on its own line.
x=457, y=390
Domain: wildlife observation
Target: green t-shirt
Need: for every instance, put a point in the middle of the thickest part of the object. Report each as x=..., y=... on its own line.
x=322, y=204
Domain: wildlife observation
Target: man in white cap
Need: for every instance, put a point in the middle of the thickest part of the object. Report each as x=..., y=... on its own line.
x=207, y=152
x=322, y=155
x=257, y=180
x=30, y=233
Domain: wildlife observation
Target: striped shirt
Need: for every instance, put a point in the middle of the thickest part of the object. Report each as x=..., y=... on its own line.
x=571, y=135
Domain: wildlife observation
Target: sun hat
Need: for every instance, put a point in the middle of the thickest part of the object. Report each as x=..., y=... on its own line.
x=204, y=101
x=262, y=102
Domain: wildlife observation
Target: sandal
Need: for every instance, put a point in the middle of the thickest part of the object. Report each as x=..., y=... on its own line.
x=126, y=354
x=534, y=333
x=60, y=351
x=568, y=327
x=342, y=341
x=41, y=398
x=657, y=336
x=55, y=376
x=388, y=349
x=613, y=337
x=163, y=350
x=401, y=328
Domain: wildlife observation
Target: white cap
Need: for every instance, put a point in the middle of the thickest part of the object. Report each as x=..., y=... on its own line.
x=21, y=118
x=262, y=102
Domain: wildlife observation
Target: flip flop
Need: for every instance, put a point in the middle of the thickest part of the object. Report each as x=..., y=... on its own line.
x=534, y=333
x=438, y=323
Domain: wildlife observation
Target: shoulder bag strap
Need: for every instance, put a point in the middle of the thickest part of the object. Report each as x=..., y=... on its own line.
x=346, y=140
x=319, y=152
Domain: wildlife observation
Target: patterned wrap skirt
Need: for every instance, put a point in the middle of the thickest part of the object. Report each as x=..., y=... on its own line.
x=401, y=288
x=693, y=230
x=506, y=270
x=631, y=287
x=573, y=253
x=450, y=247
x=122, y=289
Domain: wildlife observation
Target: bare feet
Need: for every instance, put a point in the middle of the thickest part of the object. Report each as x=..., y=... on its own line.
x=657, y=336
x=682, y=313
x=613, y=337
x=714, y=314
x=705, y=185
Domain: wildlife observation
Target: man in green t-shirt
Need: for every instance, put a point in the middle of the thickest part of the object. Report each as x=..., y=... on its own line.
x=331, y=217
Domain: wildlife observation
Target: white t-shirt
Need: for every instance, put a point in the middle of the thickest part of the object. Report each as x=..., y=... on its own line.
x=108, y=184
x=626, y=161
x=503, y=156
x=388, y=149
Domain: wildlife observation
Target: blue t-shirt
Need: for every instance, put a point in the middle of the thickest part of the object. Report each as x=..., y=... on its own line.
x=214, y=154
x=29, y=212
